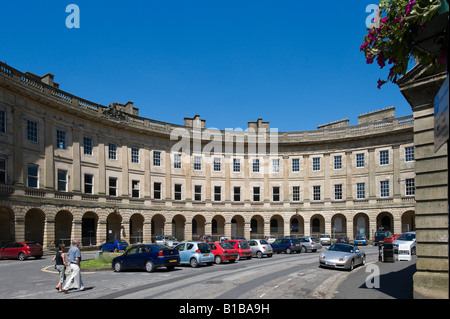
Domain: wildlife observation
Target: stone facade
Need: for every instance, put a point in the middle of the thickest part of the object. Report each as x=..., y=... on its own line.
x=419, y=87
x=76, y=169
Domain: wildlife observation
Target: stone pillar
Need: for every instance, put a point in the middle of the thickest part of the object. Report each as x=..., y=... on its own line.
x=420, y=86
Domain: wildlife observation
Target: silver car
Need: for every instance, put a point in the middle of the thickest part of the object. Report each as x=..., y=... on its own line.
x=409, y=239
x=260, y=247
x=325, y=239
x=310, y=243
x=344, y=256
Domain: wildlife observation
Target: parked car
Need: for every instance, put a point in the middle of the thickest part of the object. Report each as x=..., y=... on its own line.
x=343, y=240
x=222, y=239
x=325, y=239
x=114, y=245
x=391, y=239
x=223, y=252
x=21, y=250
x=206, y=238
x=148, y=257
x=260, y=248
x=270, y=239
x=360, y=240
x=242, y=247
x=379, y=237
x=168, y=241
x=310, y=243
x=195, y=253
x=286, y=245
x=408, y=238
x=343, y=256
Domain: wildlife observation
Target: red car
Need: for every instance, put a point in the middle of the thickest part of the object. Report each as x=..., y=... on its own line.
x=242, y=247
x=223, y=251
x=391, y=239
x=21, y=250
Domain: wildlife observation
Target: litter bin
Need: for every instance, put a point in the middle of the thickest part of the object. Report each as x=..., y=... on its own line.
x=388, y=253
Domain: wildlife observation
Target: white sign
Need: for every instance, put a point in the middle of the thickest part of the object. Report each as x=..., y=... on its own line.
x=404, y=252
x=441, y=116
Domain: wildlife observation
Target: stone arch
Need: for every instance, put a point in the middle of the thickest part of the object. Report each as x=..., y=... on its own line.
x=361, y=225
x=256, y=227
x=198, y=226
x=114, y=226
x=63, y=227
x=7, y=229
x=408, y=221
x=317, y=225
x=297, y=225
x=385, y=222
x=89, y=225
x=218, y=227
x=277, y=225
x=178, y=227
x=35, y=225
x=237, y=226
x=157, y=225
x=339, y=225
x=136, y=228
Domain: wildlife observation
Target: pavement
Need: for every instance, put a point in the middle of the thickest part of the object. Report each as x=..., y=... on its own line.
x=379, y=280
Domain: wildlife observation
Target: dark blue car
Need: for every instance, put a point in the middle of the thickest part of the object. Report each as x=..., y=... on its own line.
x=286, y=245
x=148, y=257
x=114, y=245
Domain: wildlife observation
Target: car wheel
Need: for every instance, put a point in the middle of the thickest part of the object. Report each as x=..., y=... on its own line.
x=193, y=262
x=304, y=249
x=218, y=260
x=149, y=266
x=22, y=256
x=352, y=265
x=269, y=255
x=259, y=254
x=413, y=251
x=288, y=250
x=117, y=266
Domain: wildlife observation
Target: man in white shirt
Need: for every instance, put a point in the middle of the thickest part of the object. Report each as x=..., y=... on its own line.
x=74, y=280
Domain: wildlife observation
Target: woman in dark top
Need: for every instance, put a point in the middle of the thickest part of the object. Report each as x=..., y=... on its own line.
x=60, y=265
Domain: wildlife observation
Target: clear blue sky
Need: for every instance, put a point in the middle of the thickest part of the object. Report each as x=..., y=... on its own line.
x=294, y=63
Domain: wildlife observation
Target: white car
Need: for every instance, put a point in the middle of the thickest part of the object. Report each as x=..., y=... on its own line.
x=325, y=239
x=408, y=238
x=270, y=239
x=168, y=241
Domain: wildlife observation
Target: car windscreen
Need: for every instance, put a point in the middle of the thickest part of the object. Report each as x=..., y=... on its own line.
x=121, y=241
x=324, y=236
x=407, y=237
x=343, y=248
x=33, y=244
x=359, y=237
x=204, y=248
x=263, y=242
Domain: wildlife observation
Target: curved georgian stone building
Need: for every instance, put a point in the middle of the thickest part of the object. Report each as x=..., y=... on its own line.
x=71, y=168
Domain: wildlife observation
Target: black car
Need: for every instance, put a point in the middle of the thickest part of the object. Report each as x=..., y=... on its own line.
x=286, y=245
x=379, y=237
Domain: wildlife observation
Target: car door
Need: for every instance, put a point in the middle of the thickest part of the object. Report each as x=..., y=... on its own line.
x=9, y=251
x=182, y=252
x=131, y=258
x=276, y=246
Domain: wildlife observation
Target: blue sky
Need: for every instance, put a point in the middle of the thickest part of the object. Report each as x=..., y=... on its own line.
x=294, y=63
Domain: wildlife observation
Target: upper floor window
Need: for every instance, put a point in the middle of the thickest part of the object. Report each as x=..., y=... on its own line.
x=236, y=165
x=360, y=160
x=384, y=157
x=2, y=121
x=276, y=165
x=197, y=163
x=156, y=158
x=61, y=139
x=176, y=160
x=338, y=162
x=360, y=190
x=32, y=131
x=384, y=188
x=217, y=193
x=112, y=186
x=33, y=176
x=87, y=145
x=256, y=194
x=256, y=165
x=410, y=187
x=296, y=165
x=112, y=151
x=409, y=154
x=217, y=164
x=3, y=175
x=316, y=164
x=296, y=193
x=276, y=194
x=62, y=180
x=89, y=183
x=134, y=155
x=316, y=193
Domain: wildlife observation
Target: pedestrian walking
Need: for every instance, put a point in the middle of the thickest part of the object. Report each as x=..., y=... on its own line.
x=60, y=265
x=74, y=280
